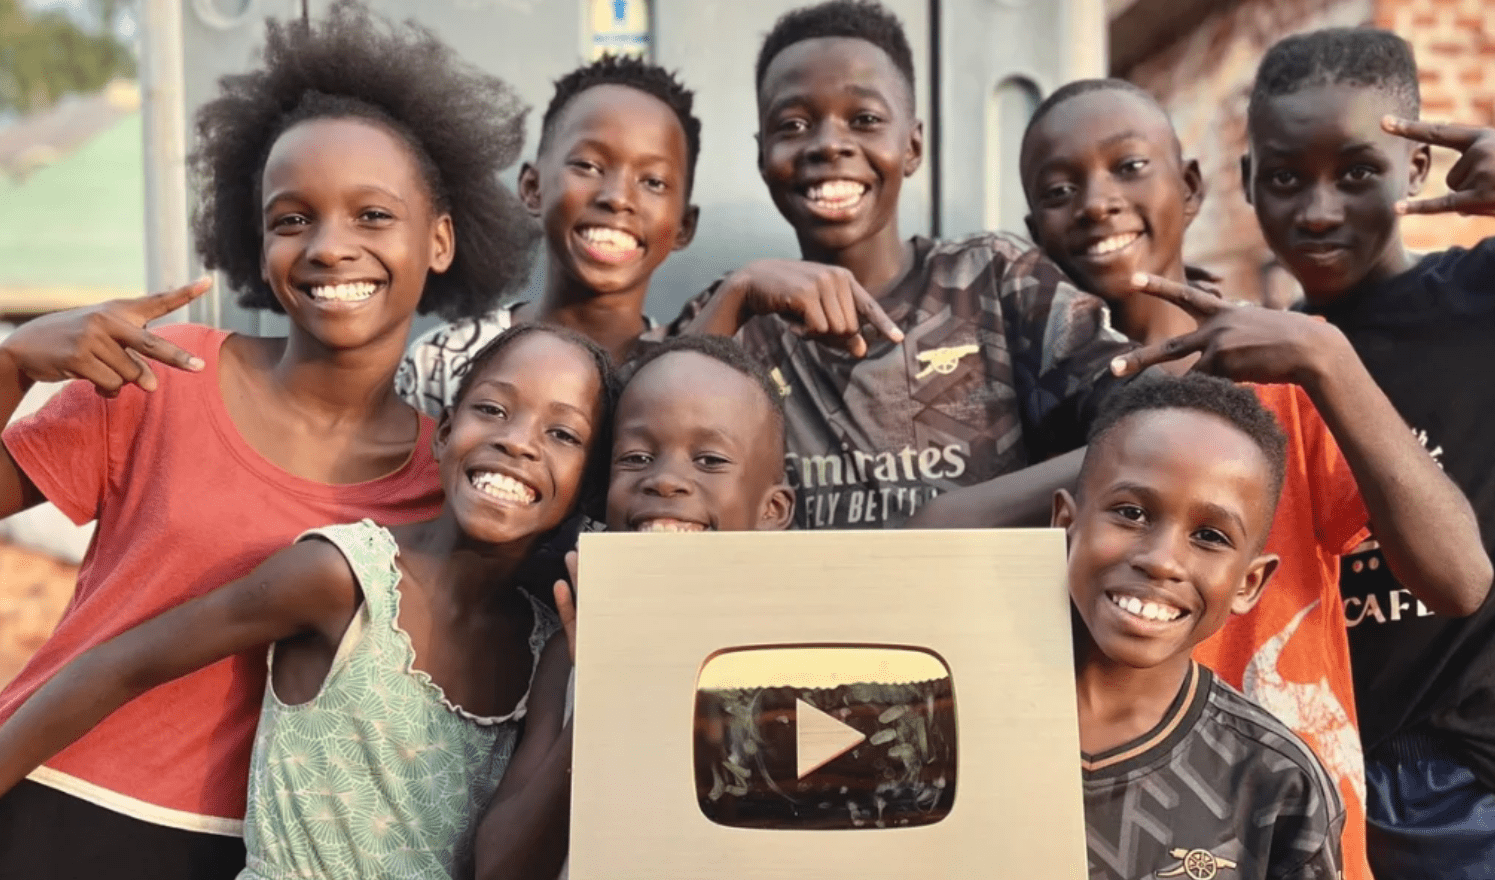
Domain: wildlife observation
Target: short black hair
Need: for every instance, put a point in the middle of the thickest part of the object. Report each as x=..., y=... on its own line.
x=635, y=73
x=1235, y=404
x=726, y=351
x=594, y=481
x=1084, y=87
x=859, y=19
x=1367, y=57
x=462, y=127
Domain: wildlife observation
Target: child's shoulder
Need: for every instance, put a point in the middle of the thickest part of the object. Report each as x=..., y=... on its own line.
x=1234, y=723
x=363, y=551
x=1009, y=264
x=187, y=335
x=1292, y=407
x=992, y=245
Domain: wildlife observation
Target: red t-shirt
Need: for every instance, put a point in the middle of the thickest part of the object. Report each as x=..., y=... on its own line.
x=184, y=505
x=1291, y=653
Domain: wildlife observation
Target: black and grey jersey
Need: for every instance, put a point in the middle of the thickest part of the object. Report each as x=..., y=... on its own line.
x=1218, y=789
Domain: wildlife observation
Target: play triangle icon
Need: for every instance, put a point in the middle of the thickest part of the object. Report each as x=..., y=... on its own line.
x=819, y=738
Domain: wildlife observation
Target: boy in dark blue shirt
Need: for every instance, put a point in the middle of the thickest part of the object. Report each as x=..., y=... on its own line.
x=1334, y=154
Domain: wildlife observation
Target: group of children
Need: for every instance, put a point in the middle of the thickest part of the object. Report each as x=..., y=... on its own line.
x=396, y=526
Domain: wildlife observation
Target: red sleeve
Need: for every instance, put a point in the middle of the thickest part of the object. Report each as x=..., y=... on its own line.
x=1339, y=515
x=64, y=449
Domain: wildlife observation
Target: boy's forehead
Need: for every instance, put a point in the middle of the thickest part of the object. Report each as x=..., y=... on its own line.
x=684, y=377
x=1206, y=445
x=1314, y=115
x=806, y=68
x=1096, y=119
x=606, y=104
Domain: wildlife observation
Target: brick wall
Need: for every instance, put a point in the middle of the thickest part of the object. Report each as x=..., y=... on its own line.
x=1455, y=45
x=1205, y=79
x=1204, y=82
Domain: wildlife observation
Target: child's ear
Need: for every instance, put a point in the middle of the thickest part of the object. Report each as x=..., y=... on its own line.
x=1063, y=514
x=443, y=244
x=443, y=431
x=1254, y=582
x=1065, y=509
x=1246, y=176
x=758, y=150
x=529, y=188
x=688, y=222
x=914, y=156
x=1032, y=227
x=1193, y=190
x=1417, y=170
x=778, y=509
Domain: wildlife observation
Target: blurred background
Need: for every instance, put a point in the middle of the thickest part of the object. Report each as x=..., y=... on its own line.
x=96, y=99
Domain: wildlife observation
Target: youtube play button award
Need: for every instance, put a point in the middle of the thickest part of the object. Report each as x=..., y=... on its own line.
x=833, y=737
x=869, y=705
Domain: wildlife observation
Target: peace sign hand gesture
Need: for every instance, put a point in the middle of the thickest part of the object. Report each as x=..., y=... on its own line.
x=1471, y=180
x=1238, y=341
x=106, y=344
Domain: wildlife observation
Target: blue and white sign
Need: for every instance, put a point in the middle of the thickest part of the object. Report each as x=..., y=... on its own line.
x=621, y=27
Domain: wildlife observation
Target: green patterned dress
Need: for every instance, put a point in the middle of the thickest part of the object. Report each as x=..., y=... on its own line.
x=379, y=776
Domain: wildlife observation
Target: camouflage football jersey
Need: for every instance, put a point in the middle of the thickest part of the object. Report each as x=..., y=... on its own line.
x=1218, y=789
x=1002, y=365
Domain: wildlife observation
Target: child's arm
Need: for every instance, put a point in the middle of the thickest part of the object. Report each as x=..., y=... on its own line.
x=524, y=834
x=1020, y=499
x=824, y=302
x=1471, y=180
x=1424, y=524
x=104, y=344
x=302, y=589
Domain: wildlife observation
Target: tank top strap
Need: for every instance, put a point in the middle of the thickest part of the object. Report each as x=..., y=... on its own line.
x=370, y=550
x=547, y=624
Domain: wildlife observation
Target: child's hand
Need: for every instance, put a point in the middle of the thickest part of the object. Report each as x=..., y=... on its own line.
x=565, y=604
x=824, y=303
x=1471, y=180
x=1239, y=341
x=106, y=344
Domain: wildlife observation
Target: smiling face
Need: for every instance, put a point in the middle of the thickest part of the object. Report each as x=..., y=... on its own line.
x=1108, y=193
x=836, y=137
x=514, y=449
x=350, y=232
x=1325, y=179
x=1164, y=536
x=610, y=189
x=696, y=448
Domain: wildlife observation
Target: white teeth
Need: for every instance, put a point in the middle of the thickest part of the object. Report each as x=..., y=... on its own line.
x=836, y=193
x=608, y=239
x=1112, y=243
x=501, y=486
x=1146, y=610
x=669, y=525
x=344, y=292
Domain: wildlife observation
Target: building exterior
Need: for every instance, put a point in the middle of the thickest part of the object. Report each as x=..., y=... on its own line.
x=1202, y=74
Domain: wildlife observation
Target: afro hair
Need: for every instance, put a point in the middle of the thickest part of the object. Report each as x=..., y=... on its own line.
x=860, y=19
x=625, y=70
x=1368, y=57
x=462, y=127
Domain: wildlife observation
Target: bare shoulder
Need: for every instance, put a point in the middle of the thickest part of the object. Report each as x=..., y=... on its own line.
x=309, y=581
